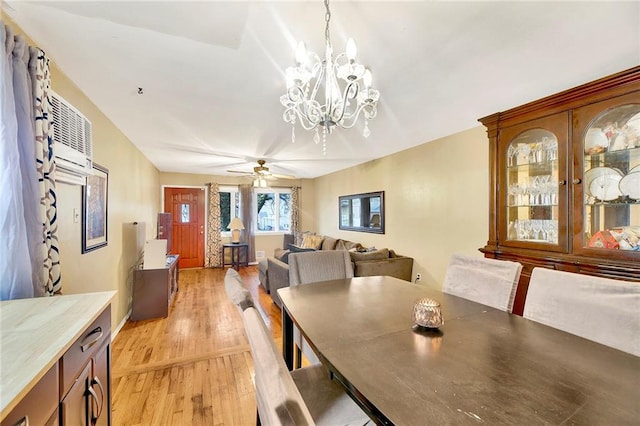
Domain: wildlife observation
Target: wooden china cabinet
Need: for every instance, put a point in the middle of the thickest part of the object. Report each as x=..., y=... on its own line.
x=565, y=182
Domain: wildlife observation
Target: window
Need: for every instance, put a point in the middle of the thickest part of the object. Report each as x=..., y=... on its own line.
x=273, y=207
x=229, y=206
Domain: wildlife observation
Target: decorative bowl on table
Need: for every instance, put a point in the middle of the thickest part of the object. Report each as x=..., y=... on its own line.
x=427, y=313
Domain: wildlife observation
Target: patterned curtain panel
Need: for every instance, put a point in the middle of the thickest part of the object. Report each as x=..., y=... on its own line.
x=41, y=87
x=213, y=253
x=295, y=210
x=246, y=203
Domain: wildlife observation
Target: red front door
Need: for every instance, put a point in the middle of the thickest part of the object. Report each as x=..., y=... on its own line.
x=186, y=206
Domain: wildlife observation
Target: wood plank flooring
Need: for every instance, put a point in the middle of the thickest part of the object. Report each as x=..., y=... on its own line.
x=193, y=367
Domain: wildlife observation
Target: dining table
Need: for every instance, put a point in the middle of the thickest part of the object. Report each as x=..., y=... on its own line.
x=482, y=365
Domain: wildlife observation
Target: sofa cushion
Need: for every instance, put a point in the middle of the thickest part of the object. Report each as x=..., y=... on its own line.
x=348, y=245
x=372, y=255
x=282, y=255
x=288, y=239
x=312, y=241
x=329, y=243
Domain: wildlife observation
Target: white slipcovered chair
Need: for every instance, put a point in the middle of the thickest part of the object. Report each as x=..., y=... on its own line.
x=488, y=281
x=306, y=396
x=236, y=291
x=311, y=267
x=603, y=310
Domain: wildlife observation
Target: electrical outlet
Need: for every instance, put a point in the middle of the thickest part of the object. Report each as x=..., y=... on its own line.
x=418, y=276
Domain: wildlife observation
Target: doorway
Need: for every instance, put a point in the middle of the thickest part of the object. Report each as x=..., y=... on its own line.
x=186, y=206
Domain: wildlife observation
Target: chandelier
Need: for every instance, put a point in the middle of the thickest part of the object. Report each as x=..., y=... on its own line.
x=328, y=93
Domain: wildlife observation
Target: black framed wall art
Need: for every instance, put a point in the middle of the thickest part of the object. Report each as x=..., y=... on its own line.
x=94, y=209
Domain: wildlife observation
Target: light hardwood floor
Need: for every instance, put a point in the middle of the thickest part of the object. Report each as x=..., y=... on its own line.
x=193, y=367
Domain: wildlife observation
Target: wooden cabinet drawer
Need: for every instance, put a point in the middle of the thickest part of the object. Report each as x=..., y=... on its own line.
x=76, y=357
x=37, y=406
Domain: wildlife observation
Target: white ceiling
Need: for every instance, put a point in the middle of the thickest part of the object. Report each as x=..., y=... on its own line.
x=213, y=71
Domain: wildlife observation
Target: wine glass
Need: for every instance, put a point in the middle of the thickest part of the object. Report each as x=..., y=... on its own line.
x=512, y=153
x=537, y=229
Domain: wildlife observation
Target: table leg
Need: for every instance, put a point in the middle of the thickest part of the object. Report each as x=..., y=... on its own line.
x=234, y=258
x=287, y=339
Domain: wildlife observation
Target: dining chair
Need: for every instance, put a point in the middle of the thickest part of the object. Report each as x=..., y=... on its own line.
x=491, y=282
x=236, y=291
x=311, y=267
x=306, y=396
x=603, y=310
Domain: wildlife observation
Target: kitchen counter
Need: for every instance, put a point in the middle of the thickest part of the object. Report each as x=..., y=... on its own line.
x=35, y=333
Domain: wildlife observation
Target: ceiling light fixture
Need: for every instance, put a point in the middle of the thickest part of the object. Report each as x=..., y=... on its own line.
x=340, y=106
x=260, y=182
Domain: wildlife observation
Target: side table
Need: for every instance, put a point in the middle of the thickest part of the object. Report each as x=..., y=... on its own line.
x=236, y=254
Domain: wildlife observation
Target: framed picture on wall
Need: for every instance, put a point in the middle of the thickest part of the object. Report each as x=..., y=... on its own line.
x=94, y=209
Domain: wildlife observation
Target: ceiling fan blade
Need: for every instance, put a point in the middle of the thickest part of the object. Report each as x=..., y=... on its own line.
x=277, y=176
x=241, y=172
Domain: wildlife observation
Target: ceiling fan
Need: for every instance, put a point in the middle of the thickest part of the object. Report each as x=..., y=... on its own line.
x=261, y=173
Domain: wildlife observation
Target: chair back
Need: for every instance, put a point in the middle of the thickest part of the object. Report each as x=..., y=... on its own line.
x=278, y=399
x=603, y=310
x=239, y=295
x=311, y=267
x=488, y=281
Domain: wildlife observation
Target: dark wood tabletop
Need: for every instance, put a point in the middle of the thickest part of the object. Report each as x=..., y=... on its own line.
x=482, y=366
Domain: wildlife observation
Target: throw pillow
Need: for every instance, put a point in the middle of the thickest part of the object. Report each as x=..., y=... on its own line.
x=340, y=245
x=297, y=249
x=373, y=255
x=299, y=236
x=312, y=241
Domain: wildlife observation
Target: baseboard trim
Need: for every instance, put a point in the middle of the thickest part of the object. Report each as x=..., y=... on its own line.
x=119, y=327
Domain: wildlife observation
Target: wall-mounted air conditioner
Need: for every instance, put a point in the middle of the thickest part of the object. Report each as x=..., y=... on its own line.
x=72, y=147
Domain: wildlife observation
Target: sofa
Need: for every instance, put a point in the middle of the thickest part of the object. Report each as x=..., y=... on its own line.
x=274, y=273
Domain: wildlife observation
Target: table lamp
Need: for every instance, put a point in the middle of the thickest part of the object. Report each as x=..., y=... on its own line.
x=235, y=225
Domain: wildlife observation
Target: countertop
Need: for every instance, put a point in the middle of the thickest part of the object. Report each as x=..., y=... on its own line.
x=35, y=333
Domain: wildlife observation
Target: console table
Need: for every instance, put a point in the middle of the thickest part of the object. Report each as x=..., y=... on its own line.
x=236, y=254
x=153, y=290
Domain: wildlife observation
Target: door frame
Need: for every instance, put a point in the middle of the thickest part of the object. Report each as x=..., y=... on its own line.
x=206, y=210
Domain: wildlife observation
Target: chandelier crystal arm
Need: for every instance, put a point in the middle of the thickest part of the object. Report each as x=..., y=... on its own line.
x=328, y=92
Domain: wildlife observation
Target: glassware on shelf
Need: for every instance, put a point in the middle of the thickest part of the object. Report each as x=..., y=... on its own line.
x=536, y=230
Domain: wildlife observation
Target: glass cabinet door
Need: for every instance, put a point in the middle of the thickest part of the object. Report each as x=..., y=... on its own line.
x=610, y=202
x=533, y=189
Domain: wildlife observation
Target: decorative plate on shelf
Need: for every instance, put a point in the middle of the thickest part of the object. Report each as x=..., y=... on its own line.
x=595, y=141
x=598, y=172
x=630, y=185
x=605, y=187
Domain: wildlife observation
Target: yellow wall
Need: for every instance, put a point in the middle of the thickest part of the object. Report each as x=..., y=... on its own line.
x=133, y=196
x=436, y=200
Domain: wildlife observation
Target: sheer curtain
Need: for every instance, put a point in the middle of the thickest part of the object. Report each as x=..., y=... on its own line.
x=246, y=203
x=25, y=269
x=213, y=254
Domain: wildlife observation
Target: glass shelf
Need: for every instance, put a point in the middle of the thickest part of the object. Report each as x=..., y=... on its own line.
x=535, y=168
